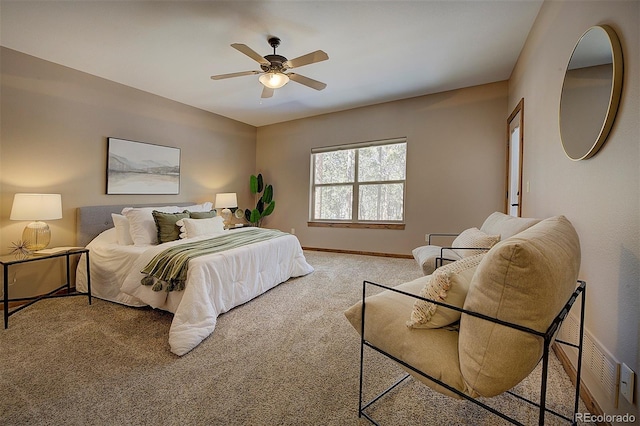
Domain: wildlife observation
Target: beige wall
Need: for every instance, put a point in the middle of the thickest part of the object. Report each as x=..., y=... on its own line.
x=600, y=195
x=455, y=165
x=55, y=124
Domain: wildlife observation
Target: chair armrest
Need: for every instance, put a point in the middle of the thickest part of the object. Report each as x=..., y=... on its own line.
x=440, y=259
x=440, y=234
x=442, y=249
x=548, y=334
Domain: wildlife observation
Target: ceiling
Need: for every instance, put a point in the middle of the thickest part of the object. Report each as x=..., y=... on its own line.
x=378, y=51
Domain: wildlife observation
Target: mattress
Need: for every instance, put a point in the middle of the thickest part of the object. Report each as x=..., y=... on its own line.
x=215, y=282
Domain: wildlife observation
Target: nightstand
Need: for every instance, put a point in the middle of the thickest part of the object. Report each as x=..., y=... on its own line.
x=13, y=260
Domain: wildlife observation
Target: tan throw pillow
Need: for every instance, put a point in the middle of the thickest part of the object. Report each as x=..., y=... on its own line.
x=473, y=238
x=525, y=279
x=448, y=284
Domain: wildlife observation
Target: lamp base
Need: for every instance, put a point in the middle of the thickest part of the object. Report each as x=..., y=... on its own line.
x=36, y=235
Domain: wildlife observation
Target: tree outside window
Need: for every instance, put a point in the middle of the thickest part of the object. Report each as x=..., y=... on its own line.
x=359, y=183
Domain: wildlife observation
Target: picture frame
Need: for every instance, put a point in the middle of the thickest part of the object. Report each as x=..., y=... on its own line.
x=142, y=168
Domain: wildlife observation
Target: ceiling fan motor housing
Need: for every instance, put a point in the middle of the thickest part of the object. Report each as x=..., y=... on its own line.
x=277, y=63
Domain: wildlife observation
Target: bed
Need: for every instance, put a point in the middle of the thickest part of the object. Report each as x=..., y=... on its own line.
x=215, y=282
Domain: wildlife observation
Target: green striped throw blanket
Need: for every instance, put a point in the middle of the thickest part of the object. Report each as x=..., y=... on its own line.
x=168, y=269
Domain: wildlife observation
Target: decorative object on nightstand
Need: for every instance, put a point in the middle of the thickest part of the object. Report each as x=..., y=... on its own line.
x=36, y=207
x=19, y=249
x=226, y=201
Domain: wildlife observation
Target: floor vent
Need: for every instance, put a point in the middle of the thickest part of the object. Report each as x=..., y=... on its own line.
x=599, y=363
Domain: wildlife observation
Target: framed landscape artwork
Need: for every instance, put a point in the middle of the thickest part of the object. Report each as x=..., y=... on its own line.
x=142, y=168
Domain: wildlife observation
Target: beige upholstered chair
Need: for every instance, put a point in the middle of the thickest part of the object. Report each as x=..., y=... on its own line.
x=497, y=226
x=517, y=295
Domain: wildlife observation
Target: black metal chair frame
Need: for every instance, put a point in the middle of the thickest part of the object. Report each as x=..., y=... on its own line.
x=548, y=337
x=439, y=261
x=440, y=234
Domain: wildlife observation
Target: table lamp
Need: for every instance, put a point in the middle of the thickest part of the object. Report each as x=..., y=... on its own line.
x=36, y=207
x=225, y=201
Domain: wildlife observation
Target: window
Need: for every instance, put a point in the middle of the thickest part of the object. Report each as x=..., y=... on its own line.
x=359, y=183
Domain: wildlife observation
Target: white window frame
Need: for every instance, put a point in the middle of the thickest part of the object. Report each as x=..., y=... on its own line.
x=355, y=221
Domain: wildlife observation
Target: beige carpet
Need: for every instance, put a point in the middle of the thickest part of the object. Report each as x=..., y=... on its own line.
x=288, y=357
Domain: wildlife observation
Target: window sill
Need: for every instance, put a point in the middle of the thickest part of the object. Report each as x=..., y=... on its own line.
x=394, y=226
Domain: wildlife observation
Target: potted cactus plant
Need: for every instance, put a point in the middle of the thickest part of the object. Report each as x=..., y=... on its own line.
x=265, y=204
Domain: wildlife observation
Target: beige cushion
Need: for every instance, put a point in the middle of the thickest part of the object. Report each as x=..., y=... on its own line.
x=526, y=280
x=472, y=238
x=433, y=351
x=426, y=257
x=449, y=285
x=505, y=225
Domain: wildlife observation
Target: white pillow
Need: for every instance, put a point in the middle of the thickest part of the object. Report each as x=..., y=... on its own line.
x=190, y=228
x=204, y=207
x=473, y=238
x=121, y=223
x=104, y=238
x=142, y=227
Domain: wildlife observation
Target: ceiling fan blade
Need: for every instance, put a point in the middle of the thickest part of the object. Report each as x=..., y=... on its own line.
x=243, y=48
x=267, y=92
x=234, y=74
x=309, y=58
x=314, y=84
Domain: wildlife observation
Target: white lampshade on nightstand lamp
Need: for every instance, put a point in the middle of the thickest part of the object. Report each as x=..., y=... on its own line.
x=36, y=207
x=226, y=201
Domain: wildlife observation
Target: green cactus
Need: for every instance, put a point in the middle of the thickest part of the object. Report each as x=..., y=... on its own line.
x=265, y=204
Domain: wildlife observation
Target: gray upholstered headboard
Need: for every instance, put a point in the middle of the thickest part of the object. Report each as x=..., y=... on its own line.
x=92, y=220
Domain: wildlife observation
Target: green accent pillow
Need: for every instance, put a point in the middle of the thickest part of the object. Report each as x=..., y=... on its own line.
x=202, y=215
x=166, y=225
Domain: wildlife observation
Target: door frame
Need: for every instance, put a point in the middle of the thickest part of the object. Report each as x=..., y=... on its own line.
x=519, y=109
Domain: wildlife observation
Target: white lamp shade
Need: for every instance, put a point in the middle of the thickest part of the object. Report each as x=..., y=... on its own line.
x=274, y=80
x=36, y=207
x=226, y=200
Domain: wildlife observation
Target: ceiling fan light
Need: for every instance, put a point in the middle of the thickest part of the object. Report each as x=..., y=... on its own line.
x=274, y=80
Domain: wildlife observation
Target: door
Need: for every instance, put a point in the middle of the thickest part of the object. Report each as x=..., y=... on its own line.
x=515, y=139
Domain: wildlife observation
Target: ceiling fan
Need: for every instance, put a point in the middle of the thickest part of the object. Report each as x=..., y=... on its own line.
x=273, y=74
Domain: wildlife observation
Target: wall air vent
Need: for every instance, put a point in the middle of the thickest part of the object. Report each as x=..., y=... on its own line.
x=596, y=360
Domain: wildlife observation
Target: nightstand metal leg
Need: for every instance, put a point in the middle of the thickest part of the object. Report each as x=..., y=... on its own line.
x=88, y=277
x=5, y=295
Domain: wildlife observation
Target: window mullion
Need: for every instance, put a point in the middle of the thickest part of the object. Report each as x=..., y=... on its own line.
x=312, y=200
x=356, y=189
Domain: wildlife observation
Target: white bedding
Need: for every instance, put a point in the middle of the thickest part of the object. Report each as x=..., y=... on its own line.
x=216, y=282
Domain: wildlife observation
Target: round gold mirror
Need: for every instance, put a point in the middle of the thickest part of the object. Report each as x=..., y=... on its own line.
x=590, y=92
